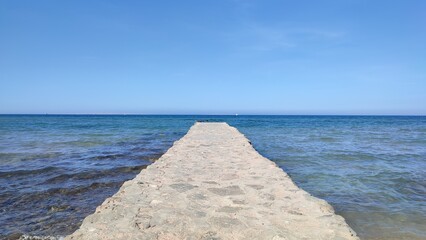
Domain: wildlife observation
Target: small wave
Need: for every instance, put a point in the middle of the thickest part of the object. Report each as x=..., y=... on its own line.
x=90, y=175
x=109, y=157
x=13, y=157
x=328, y=139
x=20, y=236
x=31, y=237
x=8, y=174
x=147, y=155
x=9, y=201
x=80, y=189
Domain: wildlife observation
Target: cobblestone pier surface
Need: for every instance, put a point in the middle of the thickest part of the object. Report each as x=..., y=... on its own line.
x=212, y=184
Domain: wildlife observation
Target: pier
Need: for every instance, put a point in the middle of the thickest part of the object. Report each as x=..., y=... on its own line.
x=212, y=184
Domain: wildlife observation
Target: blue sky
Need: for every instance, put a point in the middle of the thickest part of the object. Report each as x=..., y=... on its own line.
x=213, y=57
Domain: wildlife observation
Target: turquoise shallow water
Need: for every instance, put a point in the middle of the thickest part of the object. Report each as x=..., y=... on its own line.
x=55, y=170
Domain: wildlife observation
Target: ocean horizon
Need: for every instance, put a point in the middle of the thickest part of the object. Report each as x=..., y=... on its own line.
x=208, y=115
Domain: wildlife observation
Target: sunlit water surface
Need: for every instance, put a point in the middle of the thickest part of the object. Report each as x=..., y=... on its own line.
x=55, y=170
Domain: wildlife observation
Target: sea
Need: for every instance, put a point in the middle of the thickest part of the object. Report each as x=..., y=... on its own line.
x=56, y=169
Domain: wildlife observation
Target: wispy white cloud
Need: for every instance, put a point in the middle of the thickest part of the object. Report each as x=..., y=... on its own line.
x=274, y=38
x=266, y=38
x=323, y=34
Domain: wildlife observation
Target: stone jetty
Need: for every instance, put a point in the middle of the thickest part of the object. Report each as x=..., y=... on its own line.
x=212, y=184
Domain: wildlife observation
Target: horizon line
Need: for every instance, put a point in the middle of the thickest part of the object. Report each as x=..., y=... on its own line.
x=212, y=114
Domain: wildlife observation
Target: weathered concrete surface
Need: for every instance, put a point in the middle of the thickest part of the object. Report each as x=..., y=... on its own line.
x=213, y=185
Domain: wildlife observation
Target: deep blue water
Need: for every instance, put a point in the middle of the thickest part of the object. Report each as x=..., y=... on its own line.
x=55, y=169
